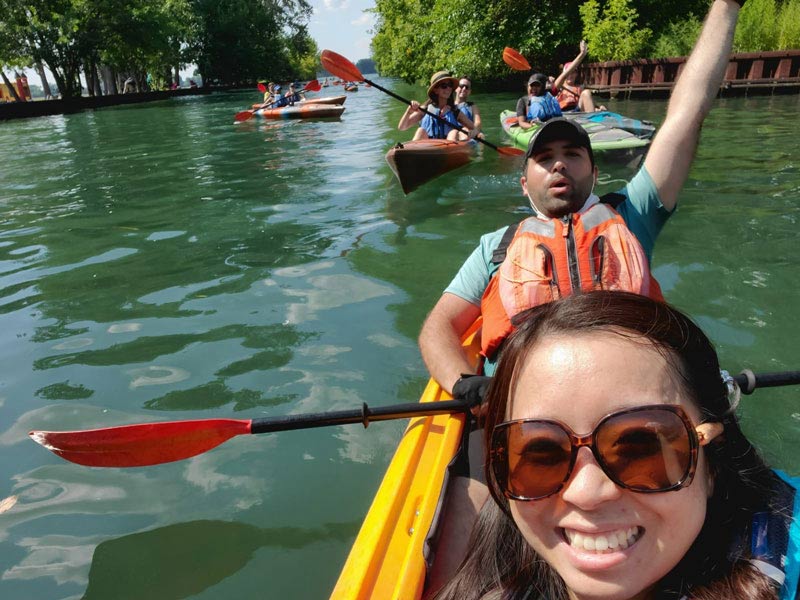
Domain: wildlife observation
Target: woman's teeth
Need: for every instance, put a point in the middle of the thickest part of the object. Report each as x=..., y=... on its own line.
x=606, y=542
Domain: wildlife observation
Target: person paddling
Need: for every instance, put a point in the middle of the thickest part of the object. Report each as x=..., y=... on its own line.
x=439, y=103
x=618, y=469
x=463, y=91
x=295, y=93
x=539, y=105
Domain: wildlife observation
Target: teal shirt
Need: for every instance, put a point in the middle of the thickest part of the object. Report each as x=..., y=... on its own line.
x=642, y=211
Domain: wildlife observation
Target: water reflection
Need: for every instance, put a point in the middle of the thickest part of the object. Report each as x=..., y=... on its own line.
x=182, y=560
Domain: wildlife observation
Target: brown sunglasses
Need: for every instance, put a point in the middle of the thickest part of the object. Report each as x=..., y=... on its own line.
x=646, y=449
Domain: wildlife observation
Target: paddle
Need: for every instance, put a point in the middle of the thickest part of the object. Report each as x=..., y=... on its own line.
x=156, y=443
x=343, y=68
x=515, y=60
x=244, y=115
x=147, y=444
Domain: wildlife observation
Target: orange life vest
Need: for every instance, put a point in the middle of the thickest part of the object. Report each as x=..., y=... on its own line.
x=552, y=258
x=568, y=97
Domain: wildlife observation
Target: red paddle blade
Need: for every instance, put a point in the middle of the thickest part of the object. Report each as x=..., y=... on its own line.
x=262, y=88
x=313, y=86
x=243, y=115
x=140, y=445
x=510, y=151
x=340, y=66
x=515, y=60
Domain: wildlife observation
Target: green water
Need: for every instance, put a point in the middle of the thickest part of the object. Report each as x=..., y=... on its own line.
x=159, y=263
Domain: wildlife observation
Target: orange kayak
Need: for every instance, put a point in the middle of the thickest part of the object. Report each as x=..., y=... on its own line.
x=386, y=560
x=415, y=163
x=302, y=111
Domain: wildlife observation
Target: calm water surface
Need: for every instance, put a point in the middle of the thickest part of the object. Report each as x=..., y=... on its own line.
x=159, y=263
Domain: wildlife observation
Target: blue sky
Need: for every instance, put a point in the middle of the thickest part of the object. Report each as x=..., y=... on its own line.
x=342, y=26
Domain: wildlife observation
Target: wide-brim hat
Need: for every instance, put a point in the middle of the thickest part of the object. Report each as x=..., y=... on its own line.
x=439, y=77
x=560, y=128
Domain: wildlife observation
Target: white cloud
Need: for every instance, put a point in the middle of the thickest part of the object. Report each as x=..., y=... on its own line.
x=364, y=19
x=336, y=4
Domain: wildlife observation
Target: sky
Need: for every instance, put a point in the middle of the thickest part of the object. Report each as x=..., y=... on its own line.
x=342, y=26
x=338, y=25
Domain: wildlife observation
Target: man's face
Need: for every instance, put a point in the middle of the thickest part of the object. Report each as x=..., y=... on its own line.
x=558, y=178
x=535, y=89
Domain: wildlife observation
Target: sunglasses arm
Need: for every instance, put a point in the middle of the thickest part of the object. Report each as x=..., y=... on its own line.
x=708, y=431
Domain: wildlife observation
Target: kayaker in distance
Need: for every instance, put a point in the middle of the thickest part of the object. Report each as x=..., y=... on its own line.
x=539, y=105
x=439, y=102
x=669, y=499
x=295, y=94
x=463, y=91
x=280, y=100
x=571, y=96
x=558, y=179
x=269, y=95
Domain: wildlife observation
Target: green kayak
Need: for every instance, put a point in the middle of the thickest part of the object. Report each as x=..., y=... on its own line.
x=614, y=144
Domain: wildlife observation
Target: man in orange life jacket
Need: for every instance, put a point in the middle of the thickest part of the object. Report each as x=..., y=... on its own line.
x=558, y=179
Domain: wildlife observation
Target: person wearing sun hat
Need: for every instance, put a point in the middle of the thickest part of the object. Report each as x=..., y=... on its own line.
x=438, y=117
x=539, y=105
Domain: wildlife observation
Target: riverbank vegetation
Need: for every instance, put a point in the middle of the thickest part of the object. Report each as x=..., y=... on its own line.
x=145, y=42
x=414, y=39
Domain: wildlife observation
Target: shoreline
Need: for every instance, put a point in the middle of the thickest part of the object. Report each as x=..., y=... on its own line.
x=44, y=108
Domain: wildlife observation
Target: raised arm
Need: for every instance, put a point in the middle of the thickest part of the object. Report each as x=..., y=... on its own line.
x=673, y=148
x=412, y=116
x=584, y=50
x=440, y=339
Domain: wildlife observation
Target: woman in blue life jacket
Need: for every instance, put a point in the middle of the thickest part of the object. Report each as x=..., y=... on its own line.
x=618, y=468
x=539, y=105
x=279, y=99
x=439, y=104
x=463, y=91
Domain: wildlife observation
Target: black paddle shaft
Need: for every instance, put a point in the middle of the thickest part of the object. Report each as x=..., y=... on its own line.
x=365, y=415
x=749, y=381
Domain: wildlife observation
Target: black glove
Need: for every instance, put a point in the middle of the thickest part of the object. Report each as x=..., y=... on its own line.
x=471, y=388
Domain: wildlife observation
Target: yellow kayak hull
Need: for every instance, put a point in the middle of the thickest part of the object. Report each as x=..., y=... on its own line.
x=386, y=560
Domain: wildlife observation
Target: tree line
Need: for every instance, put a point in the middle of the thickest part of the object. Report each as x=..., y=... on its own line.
x=148, y=41
x=414, y=39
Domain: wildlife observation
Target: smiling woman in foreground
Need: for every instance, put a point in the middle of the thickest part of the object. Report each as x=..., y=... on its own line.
x=617, y=466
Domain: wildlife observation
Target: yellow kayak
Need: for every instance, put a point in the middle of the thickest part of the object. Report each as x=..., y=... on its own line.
x=386, y=560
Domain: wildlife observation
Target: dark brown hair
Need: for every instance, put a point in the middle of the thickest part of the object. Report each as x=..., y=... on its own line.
x=501, y=564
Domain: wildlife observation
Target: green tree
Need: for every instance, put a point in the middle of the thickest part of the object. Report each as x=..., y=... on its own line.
x=614, y=35
x=678, y=38
x=789, y=25
x=241, y=40
x=413, y=38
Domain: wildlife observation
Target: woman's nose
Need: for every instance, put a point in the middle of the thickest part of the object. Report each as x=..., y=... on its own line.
x=589, y=486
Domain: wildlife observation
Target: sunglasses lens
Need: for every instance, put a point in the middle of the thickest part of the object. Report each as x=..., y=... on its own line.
x=646, y=451
x=537, y=459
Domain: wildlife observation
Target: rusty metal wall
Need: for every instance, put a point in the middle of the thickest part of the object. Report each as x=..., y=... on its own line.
x=747, y=73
